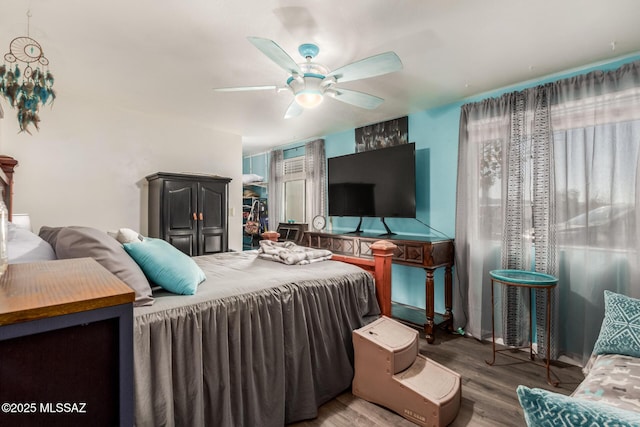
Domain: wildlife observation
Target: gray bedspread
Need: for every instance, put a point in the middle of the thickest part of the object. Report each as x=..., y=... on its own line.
x=260, y=344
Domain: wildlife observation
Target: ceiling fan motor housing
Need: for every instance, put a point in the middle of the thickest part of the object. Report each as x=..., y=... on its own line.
x=309, y=87
x=308, y=50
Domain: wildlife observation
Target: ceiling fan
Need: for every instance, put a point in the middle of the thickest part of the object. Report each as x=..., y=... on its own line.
x=311, y=82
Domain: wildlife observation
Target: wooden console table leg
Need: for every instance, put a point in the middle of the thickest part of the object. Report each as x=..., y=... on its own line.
x=428, y=327
x=448, y=297
x=383, y=255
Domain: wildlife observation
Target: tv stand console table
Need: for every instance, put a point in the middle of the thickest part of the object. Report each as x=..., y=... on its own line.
x=429, y=253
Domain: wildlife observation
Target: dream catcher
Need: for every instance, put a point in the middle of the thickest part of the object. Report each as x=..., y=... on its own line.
x=25, y=80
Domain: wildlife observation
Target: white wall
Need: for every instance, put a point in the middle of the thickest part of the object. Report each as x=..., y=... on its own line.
x=87, y=164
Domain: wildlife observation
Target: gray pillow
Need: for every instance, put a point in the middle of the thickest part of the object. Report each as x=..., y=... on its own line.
x=50, y=234
x=24, y=246
x=80, y=242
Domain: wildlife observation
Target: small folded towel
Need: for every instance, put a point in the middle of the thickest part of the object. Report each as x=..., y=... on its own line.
x=291, y=254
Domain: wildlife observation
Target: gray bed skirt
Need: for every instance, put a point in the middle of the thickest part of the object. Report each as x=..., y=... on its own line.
x=265, y=348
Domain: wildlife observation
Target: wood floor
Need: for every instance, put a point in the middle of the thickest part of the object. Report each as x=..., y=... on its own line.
x=488, y=392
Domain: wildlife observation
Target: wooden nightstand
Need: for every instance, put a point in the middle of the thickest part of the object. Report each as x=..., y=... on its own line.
x=66, y=345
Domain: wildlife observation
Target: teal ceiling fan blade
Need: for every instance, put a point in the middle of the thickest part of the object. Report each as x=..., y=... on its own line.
x=359, y=99
x=276, y=54
x=245, y=88
x=372, y=66
x=294, y=110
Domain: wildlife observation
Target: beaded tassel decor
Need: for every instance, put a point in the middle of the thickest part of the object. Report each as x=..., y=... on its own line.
x=25, y=80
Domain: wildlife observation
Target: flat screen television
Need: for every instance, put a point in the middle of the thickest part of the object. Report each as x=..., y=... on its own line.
x=377, y=183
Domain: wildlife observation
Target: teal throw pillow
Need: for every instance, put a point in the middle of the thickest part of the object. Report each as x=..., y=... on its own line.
x=620, y=330
x=543, y=408
x=166, y=266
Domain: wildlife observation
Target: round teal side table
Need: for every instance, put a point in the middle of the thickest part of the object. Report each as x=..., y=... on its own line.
x=533, y=281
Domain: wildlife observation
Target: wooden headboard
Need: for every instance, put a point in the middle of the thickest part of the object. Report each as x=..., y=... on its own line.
x=7, y=165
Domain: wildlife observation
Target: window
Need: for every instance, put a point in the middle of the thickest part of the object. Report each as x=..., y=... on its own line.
x=596, y=147
x=294, y=189
x=297, y=183
x=490, y=189
x=294, y=200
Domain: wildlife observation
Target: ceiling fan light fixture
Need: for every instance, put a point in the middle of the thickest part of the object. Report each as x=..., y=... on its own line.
x=309, y=98
x=310, y=94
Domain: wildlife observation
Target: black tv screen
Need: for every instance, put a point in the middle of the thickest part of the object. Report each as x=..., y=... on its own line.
x=376, y=183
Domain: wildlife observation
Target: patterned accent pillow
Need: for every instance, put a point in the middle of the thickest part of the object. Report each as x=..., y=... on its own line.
x=613, y=379
x=543, y=408
x=620, y=331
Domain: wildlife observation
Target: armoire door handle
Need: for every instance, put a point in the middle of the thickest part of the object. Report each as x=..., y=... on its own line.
x=195, y=218
x=201, y=217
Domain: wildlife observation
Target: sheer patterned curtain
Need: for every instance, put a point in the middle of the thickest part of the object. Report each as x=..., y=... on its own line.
x=484, y=134
x=276, y=188
x=596, y=138
x=315, y=170
x=558, y=162
x=504, y=165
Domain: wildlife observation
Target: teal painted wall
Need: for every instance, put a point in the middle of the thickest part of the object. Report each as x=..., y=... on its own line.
x=436, y=160
x=435, y=133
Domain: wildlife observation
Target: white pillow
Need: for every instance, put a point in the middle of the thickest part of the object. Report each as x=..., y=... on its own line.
x=127, y=235
x=25, y=246
x=251, y=177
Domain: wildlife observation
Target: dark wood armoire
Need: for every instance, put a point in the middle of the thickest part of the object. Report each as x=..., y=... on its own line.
x=190, y=211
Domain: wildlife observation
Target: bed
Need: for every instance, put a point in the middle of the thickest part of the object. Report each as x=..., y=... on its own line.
x=259, y=344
